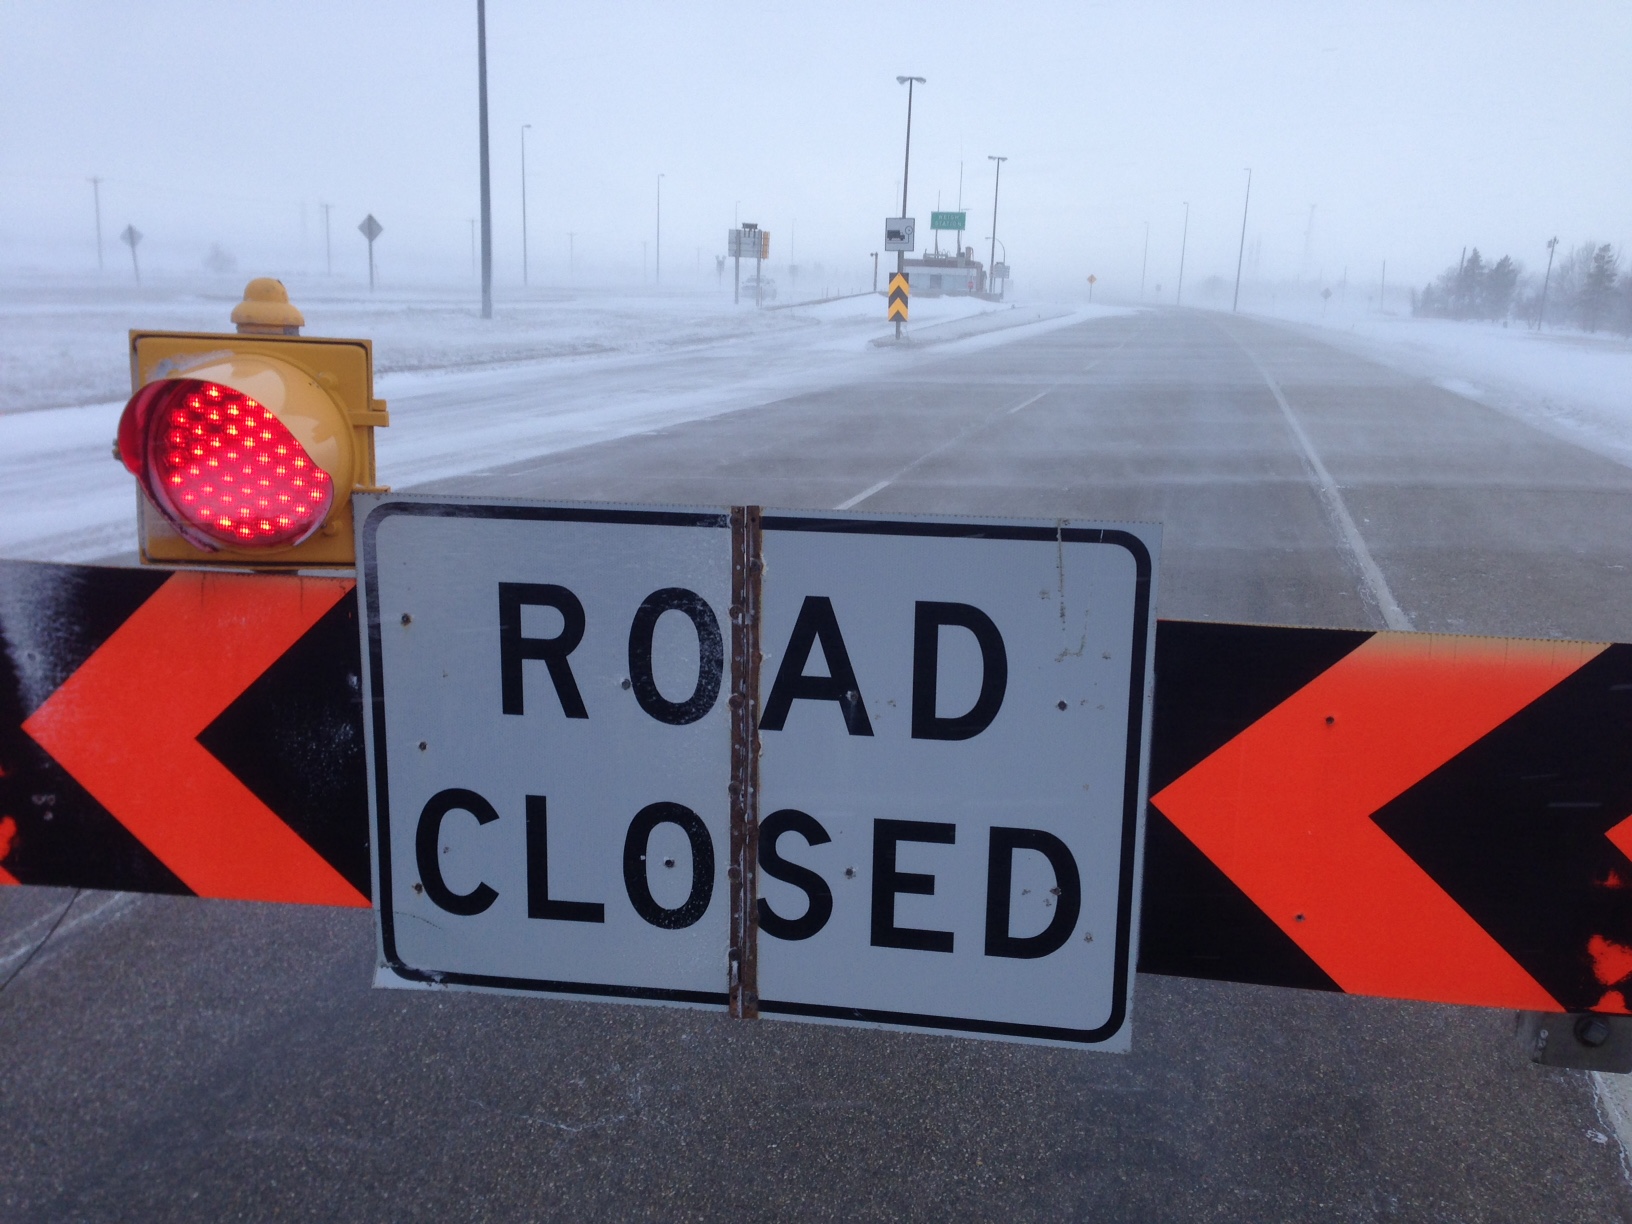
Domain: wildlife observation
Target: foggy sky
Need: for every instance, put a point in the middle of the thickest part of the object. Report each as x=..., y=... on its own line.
x=1413, y=129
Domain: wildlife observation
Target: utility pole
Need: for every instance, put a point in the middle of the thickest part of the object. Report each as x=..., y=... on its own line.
x=1178, y=294
x=96, y=199
x=1144, y=262
x=996, y=182
x=1541, y=314
x=328, y=252
x=487, y=199
x=658, y=277
x=524, y=128
x=906, y=165
x=1241, y=250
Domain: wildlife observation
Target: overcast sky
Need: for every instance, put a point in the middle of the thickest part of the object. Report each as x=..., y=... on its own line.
x=1412, y=128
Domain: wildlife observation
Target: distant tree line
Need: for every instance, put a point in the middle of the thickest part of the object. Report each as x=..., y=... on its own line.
x=1585, y=289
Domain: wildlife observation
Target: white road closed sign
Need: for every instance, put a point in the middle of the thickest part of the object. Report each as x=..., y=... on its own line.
x=949, y=721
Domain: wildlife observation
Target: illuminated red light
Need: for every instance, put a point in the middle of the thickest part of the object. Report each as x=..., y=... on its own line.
x=221, y=467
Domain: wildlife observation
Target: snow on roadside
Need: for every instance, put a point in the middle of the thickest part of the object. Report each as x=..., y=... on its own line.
x=63, y=497
x=1574, y=386
x=63, y=342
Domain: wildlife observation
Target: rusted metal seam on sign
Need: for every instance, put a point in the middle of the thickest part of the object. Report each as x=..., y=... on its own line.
x=747, y=568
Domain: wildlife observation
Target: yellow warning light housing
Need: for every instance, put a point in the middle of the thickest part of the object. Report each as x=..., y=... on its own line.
x=247, y=447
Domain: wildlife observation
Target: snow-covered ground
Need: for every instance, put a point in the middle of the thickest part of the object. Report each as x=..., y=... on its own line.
x=1575, y=386
x=550, y=371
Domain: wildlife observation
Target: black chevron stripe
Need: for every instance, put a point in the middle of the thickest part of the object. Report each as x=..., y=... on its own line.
x=53, y=618
x=1513, y=829
x=1213, y=682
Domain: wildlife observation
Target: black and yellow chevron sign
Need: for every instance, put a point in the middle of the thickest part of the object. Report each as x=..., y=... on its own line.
x=898, y=297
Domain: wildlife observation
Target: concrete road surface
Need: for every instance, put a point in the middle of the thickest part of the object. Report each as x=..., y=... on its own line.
x=203, y=1060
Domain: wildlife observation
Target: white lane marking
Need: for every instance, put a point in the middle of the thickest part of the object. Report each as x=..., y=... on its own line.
x=20, y=943
x=930, y=454
x=1612, y=1100
x=885, y=483
x=863, y=496
x=1376, y=585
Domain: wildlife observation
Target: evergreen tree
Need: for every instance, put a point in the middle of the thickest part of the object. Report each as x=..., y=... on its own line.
x=1597, y=288
x=1500, y=283
x=1468, y=295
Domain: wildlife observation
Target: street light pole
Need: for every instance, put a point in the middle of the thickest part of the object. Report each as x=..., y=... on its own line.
x=906, y=164
x=995, y=184
x=1144, y=262
x=1178, y=294
x=487, y=199
x=658, y=277
x=1541, y=313
x=96, y=199
x=1242, y=249
x=524, y=128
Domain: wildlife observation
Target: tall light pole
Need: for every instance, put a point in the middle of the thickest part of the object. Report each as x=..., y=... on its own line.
x=96, y=199
x=1242, y=249
x=995, y=184
x=657, y=278
x=524, y=130
x=1178, y=294
x=906, y=164
x=1144, y=262
x=1541, y=312
x=487, y=199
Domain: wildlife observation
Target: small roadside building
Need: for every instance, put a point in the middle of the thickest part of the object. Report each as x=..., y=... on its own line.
x=957, y=274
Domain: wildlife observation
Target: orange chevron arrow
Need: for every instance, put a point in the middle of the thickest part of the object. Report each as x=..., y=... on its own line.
x=126, y=726
x=1284, y=809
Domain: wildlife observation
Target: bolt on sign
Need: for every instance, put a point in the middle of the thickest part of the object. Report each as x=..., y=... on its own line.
x=837, y=768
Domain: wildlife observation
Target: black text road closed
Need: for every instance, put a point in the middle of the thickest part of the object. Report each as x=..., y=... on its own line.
x=950, y=722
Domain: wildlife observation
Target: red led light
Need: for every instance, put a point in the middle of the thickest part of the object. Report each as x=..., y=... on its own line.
x=224, y=470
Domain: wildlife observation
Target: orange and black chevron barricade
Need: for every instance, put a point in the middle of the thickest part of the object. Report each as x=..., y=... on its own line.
x=1412, y=816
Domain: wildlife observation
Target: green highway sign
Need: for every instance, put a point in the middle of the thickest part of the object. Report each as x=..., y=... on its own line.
x=948, y=221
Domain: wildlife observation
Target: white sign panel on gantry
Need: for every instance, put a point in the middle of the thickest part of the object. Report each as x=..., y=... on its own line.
x=952, y=720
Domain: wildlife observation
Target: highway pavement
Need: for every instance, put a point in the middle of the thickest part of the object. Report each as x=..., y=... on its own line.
x=170, y=1058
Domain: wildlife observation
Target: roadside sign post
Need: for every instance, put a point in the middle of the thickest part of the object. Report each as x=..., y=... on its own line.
x=371, y=229
x=900, y=237
x=132, y=237
x=921, y=810
x=748, y=241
